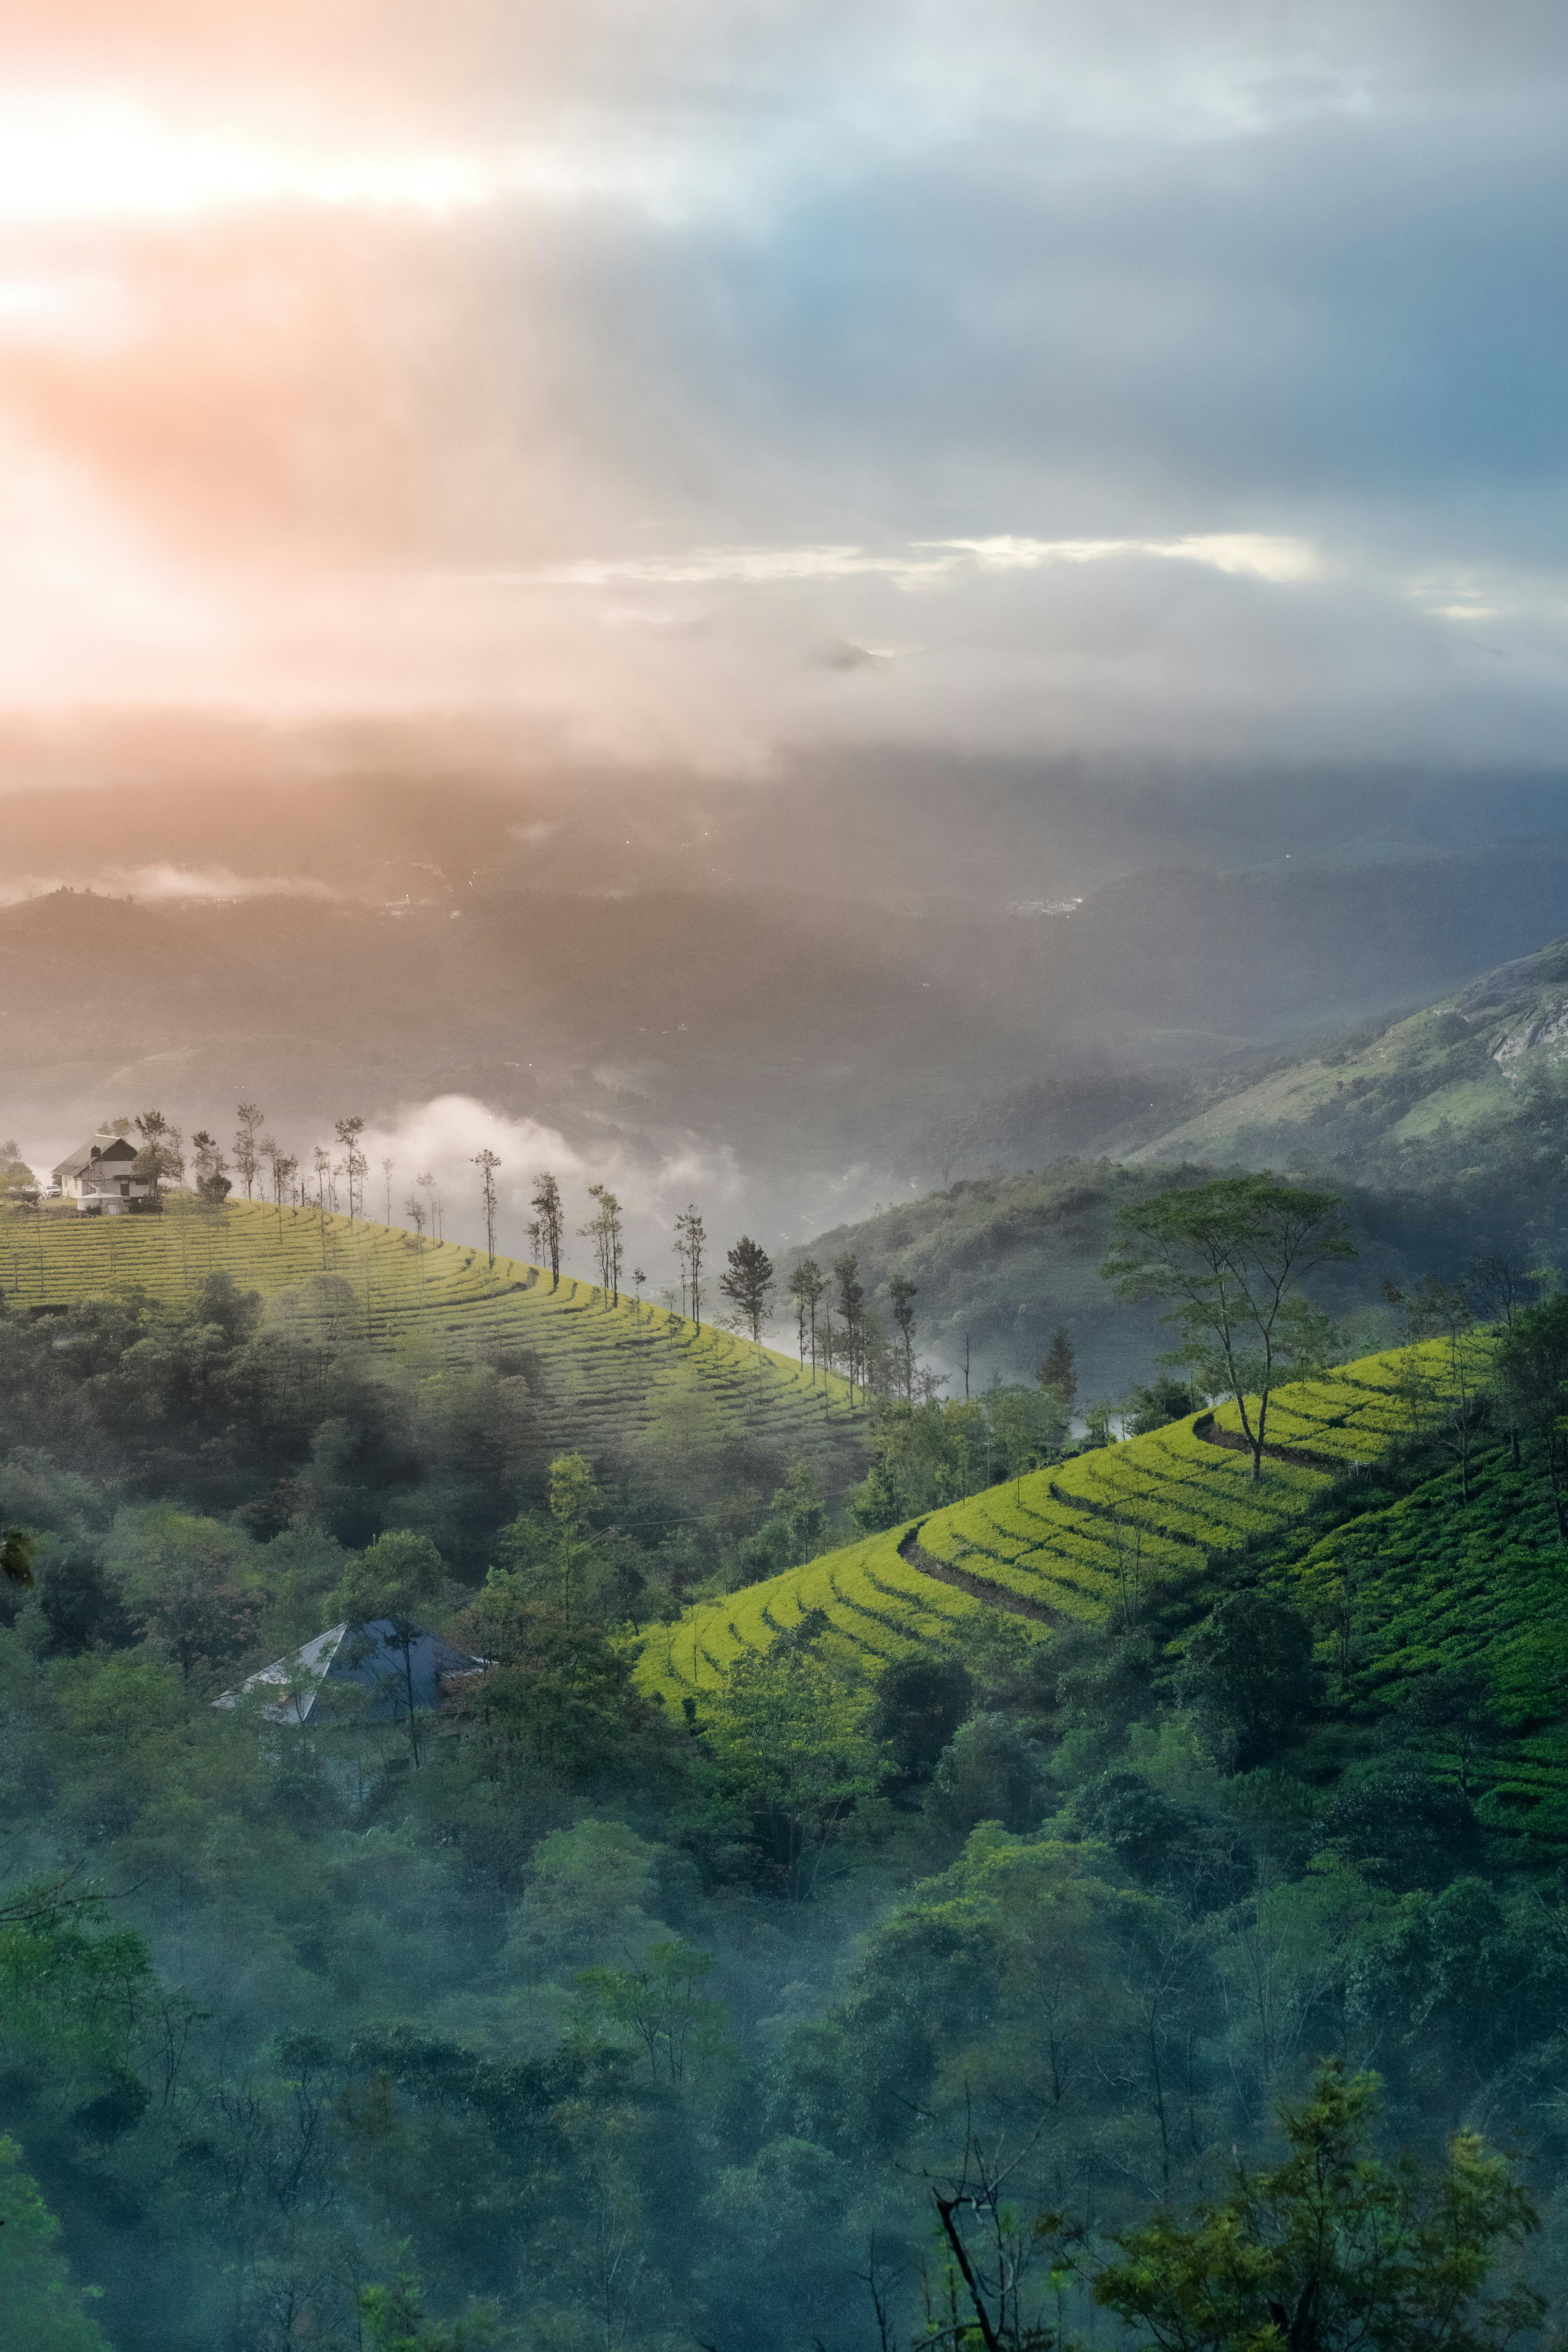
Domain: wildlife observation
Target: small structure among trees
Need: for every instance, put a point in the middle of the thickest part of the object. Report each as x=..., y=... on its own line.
x=384, y=1670
x=102, y=1178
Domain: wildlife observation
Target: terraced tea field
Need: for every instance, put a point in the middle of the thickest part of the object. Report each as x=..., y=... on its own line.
x=1434, y=1580
x=600, y=1373
x=1075, y=1542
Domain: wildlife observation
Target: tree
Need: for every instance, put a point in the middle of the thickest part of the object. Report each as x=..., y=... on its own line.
x=18, y=1183
x=188, y=1590
x=413, y=1208
x=394, y=2318
x=1441, y=1311
x=1248, y=1677
x=1058, y=1374
x=1530, y=1367
x=347, y=1132
x=1165, y=1399
x=807, y=1285
x=425, y=1184
x=161, y=1158
x=16, y=1555
x=247, y=1153
x=402, y=1579
x=386, y=1167
x=550, y=1220
x=656, y=2003
x=747, y=1283
x=1231, y=1258
x=1332, y=2249
x=690, y=1243
x=901, y=1292
x=799, y=1503
x=604, y=1229
x=487, y=1161
x=851, y=1303
x=213, y=1183
x=283, y=1165
x=793, y=1753
x=43, y=2311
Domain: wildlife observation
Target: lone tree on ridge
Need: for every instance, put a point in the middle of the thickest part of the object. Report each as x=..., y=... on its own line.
x=1231, y=1258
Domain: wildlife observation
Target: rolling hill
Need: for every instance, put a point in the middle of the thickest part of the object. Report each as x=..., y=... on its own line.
x=598, y=1374
x=1436, y=1093
x=1157, y=1528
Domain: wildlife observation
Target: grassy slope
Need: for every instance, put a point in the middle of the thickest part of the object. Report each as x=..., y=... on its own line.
x=1438, y=1580
x=1060, y=1538
x=600, y=1373
x=1458, y=1062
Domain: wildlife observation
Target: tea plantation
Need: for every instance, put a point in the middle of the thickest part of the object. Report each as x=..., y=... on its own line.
x=1397, y=1571
x=599, y=1373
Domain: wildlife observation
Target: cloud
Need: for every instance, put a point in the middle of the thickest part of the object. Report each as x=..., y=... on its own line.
x=1177, y=377
x=166, y=883
x=440, y=1139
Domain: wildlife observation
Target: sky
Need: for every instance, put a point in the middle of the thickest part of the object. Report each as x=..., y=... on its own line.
x=696, y=380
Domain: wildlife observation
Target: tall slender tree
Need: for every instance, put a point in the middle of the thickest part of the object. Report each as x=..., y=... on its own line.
x=347, y=1132
x=487, y=1161
x=386, y=1167
x=550, y=1223
x=247, y=1155
x=902, y=1293
x=604, y=1229
x=1058, y=1374
x=807, y=1285
x=851, y=1314
x=747, y=1283
x=693, y=1233
x=285, y=1166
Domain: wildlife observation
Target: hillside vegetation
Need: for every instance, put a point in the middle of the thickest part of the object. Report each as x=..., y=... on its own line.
x=1057, y=1545
x=600, y=1375
x=1467, y=1086
x=1401, y=1578
x=1005, y=1261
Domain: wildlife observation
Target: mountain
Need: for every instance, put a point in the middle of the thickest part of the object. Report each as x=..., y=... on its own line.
x=1000, y=1262
x=799, y=994
x=1468, y=1089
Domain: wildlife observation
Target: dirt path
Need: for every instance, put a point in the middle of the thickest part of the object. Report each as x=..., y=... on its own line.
x=996, y=1596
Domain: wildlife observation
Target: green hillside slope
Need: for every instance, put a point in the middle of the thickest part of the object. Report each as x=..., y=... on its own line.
x=1059, y=1545
x=599, y=1375
x=1460, y=1073
x=1395, y=1584
x=1006, y=1260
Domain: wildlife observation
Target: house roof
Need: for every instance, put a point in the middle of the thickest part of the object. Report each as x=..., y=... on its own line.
x=104, y=1147
x=363, y=1671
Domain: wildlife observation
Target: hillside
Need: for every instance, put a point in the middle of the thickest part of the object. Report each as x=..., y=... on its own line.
x=1056, y=1546
x=600, y=1377
x=1008, y=1259
x=1398, y=1577
x=769, y=1022
x=1439, y=1093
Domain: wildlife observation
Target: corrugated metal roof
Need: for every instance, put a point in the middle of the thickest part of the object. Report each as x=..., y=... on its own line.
x=365, y=1671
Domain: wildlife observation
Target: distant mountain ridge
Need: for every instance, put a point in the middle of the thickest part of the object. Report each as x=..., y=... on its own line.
x=1410, y=1098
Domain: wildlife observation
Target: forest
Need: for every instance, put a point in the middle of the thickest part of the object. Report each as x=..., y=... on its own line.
x=1038, y=1991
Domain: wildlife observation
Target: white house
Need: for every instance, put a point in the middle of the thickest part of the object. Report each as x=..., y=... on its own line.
x=98, y=1178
